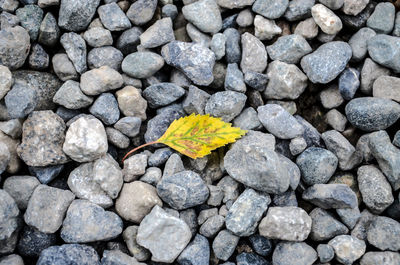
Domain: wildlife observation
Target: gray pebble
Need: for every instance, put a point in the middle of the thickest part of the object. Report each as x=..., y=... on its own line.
x=297, y=145
x=217, y=45
x=212, y=226
x=325, y=226
x=97, y=81
x=117, y=138
x=169, y=10
x=299, y=9
x=21, y=189
x=327, y=62
x=271, y=9
x=75, y=15
x=332, y=4
x=46, y=174
x=358, y=43
x=289, y=49
x=30, y=17
x=141, y=12
x=298, y=253
x=247, y=120
x=387, y=87
x=196, y=253
x=382, y=233
x=129, y=40
x=71, y=96
x=369, y=73
x=336, y=120
x=224, y=244
x=382, y=19
x=113, y=18
x=385, y=50
x=329, y=196
x=65, y=253
x=347, y=248
x=105, y=56
x=129, y=235
x=245, y=18
x=105, y=108
x=325, y=253
x=130, y=126
x=195, y=100
x=233, y=52
x=98, y=37
x=158, y=34
x=75, y=47
x=378, y=257
x=371, y=114
x=204, y=14
x=33, y=242
x=20, y=101
x=254, y=54
x=9, y=215
x=331, y=97
x=349, y=83
x=49, y=33
x=258, y=81
x=38, y=58
x=162, y=94
x=63, y=67
x=234, y=79
x=227, y=105
x=134, y=167
x=349, y=216
x=14, y=47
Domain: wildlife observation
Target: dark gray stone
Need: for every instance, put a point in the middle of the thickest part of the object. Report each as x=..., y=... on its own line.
x=382, y=19
x=169, y=10
x=212, y=226
x=71, y=96
x=261, y=245
x=195, y=100
x=299, y=9
x=329, y=196
x=183, y=190
x=105, y=107
x=46, y=174
x=75, y=15
x=162, y=94
x=250, y=259
x=311, y=135
x=325, y=226
x=246, y=212
x=224, y=244
x=69, y=254
x=385, y=50
x=317, y=165
x=14, y=47
x=75, y=47
x=234, y=79
x=258, y=81
x=129, y=40
x=196, y=253
x=226, y=105
x=102, y=56
x=88, y=222
x=289, y=49
x=349, y=216
x=130, y=126
x=349, y=83
x=358, y=43
x=327, y=62
x=20, y=101
x=49, y=33
x=159, y=157
x=113, y=18
x=30, y=17
x=233, y=52
x=271, y=9
x=141, y=11
x=194, y=60
x=247, y=120
x=298, y=253
x=32, y=242
x=372, y=114
x=38, y=59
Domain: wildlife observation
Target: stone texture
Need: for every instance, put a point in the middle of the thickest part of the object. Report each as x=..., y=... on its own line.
x=325, y=226
x=204, y=14
x=142, y=64
x=347, y=248
x=226, y=105
x=131, y=102
x=382, y=233
x=329, y=196
x=75, y=47
x=97, y=81
x=289, y=49
x=75, y=15
x=20, y=189
x=384, y=50
x=387, y=87
x=69, y=253
x=71, y=96
x=14, y=47
x=254, y=55
x=298, y=253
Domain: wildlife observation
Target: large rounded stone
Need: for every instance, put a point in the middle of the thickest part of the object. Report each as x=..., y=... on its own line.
x=14, y=47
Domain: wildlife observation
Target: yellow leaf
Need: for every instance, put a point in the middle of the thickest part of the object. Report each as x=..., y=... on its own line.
x=197, y=135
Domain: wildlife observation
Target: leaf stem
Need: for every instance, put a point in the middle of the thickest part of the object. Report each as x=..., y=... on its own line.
x=137, y=148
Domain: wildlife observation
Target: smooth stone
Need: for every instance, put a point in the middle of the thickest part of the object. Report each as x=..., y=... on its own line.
x=325, y=253
x=326, y=19
x=349, y=217
x=233, y=52
x=142, y=64
x=217, y=45
x=336, y=120
x=129, y=126
x=131, y=102
x=63, y=67
x=247, y=120
x=98, y=37
x=307, y=28
x=289, y=49
x=105, y=108
x=378, y=257
x=141, y=11
x=326, y=62
x=286, y=223
x=385, y=50
x=20, y=101
x=358, y=43
x=372, y=114
x=382, y=19
x=160, y=33
x=224, y=244
x=164, y=235
x=69, y=253
x=129, y=235
x=299, y=9
x=97, y=81
x=47, y=207
x=87, y=222
x=369, y=73
x=354, y=7
x=349, y=82
x=329, y=196
x=387, y=87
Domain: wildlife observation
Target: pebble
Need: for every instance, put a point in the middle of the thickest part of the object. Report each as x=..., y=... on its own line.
x=317, y=165
x=158, y=34
x=169, y=10
x=14, y=162
x=4, y=157
x=382, y=19
x=205, y=15
x=329, y=196
x=326, y=19
x=255, y=80
x=261, y=245
x=117, y=138
x=183, y=190
x=136, y=201
x=49, y=32
x=141, y=11
x=21, y=189
x=286, y=81
x=42, y=139
x=271, y=9
x=69, y=253
x=134, y=167
x=385, y=50
x=354, y=7
x=75, y=47
x=97, y=81
x=347, y=248
x=142, y=64
x=14, y=47
x=224, y=244
x=299, y=9
x=113, y=18
x=38, y=58
x=88, y=222
x=71, y=96
x=265, y=29
x=247, y=120
x=131, y=102
x=307, y=28
x=47, y=207
x=9, y=6
x=82, y=183
x=245, y=18
x=234, y=79
x=336, y=120
x=349, y=216
x=375, y=189
x=20, y=101
x=279, y=122
x=9, y=216
x=30, y=17
x=387, y=87
x=250, y=258
x=75, y=15
x=162, y=94
x=325, y=253
x=378, y=257
x=358, y=43
x=298, y=253
x=98, y=37
x=196, y=253
x=212, y=226
x=382, y=233
x=254, y=54
x=286, y=223
x=63, y=67
x=360, y=229
x=372, y=114
x=85, y=140
x=347, y=155
x=6, y=80
x=33, y=242
x=217, y=45
x=349, y=83
x=226, y=105
x=164, y=235
x=195, y=100
x=46, y=174
x=326, y=62
x=129, y=126
x=105, y=56
x=231, y=4
x=12, y=128
x=246, y=212
x=325, y=226
x=129, y=235
x=233, y=52
x=289, y=49
x=194, y=60
x=105, y=108
x=117, y=257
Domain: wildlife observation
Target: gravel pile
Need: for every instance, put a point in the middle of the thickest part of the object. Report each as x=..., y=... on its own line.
x=315, y=180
